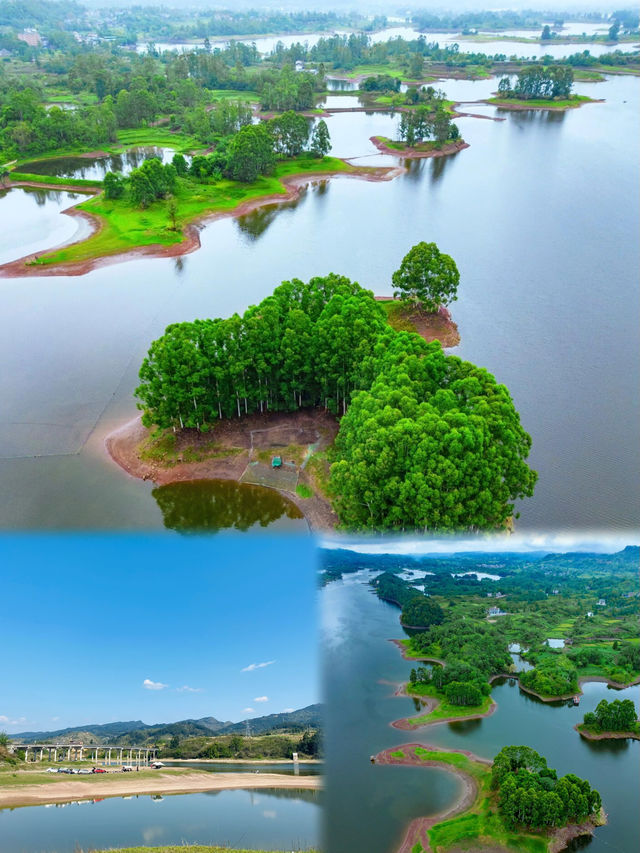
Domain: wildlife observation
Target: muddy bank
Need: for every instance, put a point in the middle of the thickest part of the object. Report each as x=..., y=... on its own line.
x=164, y=783
x=415, y=153
x=293, y=184
x=238, y=438
x=606, y=735
x=505, y=105
x=403, y=652
x=437, y=326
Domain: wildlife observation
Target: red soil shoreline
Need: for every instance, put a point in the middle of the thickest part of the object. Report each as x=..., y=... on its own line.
x=123, y=447
x=417, y=831
x=293, y=184
x=416, y=154
x=606, y=735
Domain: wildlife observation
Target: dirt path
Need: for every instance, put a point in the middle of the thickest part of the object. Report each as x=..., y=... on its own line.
x=94, y=787
x=123, y=446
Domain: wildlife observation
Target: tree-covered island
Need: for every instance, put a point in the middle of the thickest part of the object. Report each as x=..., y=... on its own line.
x=611, y=720
x=514, y=802
x=423, y=440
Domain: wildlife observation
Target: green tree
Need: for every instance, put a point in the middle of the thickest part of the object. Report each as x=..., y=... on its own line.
x=114, y=185
x=320, y=140
x=427, y=278
x=251, y=154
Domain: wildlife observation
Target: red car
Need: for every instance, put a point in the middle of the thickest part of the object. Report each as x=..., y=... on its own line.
x=99, y=770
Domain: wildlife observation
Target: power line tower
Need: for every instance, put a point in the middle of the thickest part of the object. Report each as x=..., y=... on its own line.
x=247, y=728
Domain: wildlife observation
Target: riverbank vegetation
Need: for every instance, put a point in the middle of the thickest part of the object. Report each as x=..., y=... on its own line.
x=589, y=602
x=236, y=746
x=617, y=717
x=514, y=803
x=409, y=415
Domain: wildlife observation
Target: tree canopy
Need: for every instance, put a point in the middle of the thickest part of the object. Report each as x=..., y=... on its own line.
x=426, y=441
x=426, y=278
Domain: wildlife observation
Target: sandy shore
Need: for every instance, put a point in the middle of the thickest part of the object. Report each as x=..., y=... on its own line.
x=94, y=787
x=123, y=446
x=293, y=184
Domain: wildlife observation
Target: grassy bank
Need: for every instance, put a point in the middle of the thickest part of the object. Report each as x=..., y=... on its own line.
x=54, y=179
x=540, y=103
x=182, y=848
x=124, y=226
x=444, y=710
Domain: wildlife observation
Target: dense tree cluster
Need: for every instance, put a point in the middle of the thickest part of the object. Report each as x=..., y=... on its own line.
x=421, y=612
x=426, y=440
x=531, y=795
x=26, y=127
x=616, y=716
x=433, y=443
x=537, y=82
x=554, y=675
x=424, y=123
x=473, y=651
x=305, y=345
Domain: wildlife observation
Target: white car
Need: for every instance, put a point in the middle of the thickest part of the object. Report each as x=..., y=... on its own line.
x=84, y=771
x=52, y=770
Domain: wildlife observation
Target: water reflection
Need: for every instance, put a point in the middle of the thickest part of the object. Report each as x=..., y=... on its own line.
x=212, y=505
x=253, y=225
x=95, y=168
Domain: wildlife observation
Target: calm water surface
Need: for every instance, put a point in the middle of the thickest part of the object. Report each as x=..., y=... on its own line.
x=546, y=242
x=95, y=168
x=303, y=768
x=374, y=804
x=266, y=819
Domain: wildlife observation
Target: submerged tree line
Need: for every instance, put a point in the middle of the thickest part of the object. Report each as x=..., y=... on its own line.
x=426, y=440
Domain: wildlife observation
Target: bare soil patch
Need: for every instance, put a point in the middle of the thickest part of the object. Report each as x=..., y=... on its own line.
x=229, y=450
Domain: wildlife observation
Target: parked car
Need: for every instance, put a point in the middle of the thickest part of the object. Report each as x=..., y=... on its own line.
x=99, y=770
x=84, y=771
x=127, y=768
x=65, y=770
x=52, y=770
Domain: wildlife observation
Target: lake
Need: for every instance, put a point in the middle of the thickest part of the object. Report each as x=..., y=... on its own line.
x=544, y=237
x=269, y=819
x=303, y=768
x=266, y=44
x=95, y=168
x=369, y=807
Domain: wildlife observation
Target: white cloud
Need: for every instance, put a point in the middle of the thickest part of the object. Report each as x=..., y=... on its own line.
x=538, y=541
x=261, y=699
x=287, y=710
x=269, y=814
x=248, y=710
x=253, y=666
x=54, y=719
x=9, y=722
x=187, y=689
x=153, y=685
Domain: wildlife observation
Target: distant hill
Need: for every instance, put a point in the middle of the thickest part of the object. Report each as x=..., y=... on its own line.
x=139, y=733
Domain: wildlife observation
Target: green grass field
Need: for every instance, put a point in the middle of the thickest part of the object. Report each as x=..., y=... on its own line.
x=126, y=226
x=183, y=848
x=444, y=710
x=535, y=103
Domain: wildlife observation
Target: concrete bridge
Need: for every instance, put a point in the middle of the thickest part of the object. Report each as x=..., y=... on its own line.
x=140, y=756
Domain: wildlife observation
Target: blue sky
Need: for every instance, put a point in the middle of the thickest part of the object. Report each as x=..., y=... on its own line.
x=101, y=628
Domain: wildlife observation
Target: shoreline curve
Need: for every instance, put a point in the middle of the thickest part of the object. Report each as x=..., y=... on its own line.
x=293, y=184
